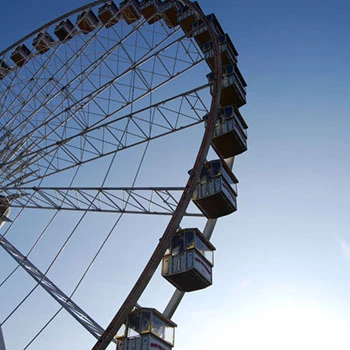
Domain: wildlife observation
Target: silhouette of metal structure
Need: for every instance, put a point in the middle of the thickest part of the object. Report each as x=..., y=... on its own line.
x=103, y=80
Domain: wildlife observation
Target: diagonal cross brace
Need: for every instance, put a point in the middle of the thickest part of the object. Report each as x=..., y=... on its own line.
x=65, y=301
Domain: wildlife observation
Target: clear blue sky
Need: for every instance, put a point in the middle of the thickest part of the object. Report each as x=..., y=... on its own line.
x=282, y=261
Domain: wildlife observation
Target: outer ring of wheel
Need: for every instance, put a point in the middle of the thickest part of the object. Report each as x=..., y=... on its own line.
x=184, y=201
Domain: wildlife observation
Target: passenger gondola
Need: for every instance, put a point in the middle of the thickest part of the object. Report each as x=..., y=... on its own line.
x=227, y=51
x=20, y=55
x=64, y=30
x=147, y=329
x=233, y=90
x=4, y=69
x=150, y=10
x=43, y=42
x=201, y=32
x=170, y=10
x=108, y=14
x=87, y=21
x=230, y=132
x=130, y=11
x=216, y=191
x=189, y=261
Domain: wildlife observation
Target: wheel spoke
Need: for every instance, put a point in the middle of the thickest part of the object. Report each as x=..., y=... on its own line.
x=64, y=300
x=23, y=164
x=99, y=120
x=132, y=200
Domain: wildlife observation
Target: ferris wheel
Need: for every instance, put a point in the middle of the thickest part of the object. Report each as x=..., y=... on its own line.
x=118, y=128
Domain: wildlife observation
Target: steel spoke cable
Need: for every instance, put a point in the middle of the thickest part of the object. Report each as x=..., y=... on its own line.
x=31, y=249
x=49, y=267
x=114, y=226
x=9, y=276
x=139, y=111
x=75, y=57
x=19, y=213
x=66, y=242
x=32, y=91
x=102, y=88
x=71, y=106
x=100, y=247
x=70, y=138
x=43, y=328
x=175, y=220
x=87, y=129
x=76, y=121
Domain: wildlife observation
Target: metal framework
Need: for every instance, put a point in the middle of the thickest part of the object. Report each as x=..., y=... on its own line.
x=64, y=300
x=87, y=99
x=175, y=220
x=132, y=200
x=177, y=297
x=84, y=108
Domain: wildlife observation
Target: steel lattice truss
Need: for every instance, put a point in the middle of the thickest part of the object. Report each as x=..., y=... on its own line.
x=64, y=300
x=88, y=98
x=133, y=200
x=92, y=97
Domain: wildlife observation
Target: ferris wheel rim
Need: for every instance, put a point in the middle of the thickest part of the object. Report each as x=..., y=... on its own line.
x=87, y=99
x=175, y=220
x=50, y=23
x=213, y=109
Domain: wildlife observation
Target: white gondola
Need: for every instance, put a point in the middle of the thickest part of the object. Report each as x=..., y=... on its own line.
x=230, y=133
x=216, y=191
x=20, y=55
x=233, y=89
x=65, y=30
x=227, y=51
x=147, y=329
x=4, y=69
x=43, y=42
x=189, y=261
x=130, y=11
x=108, y=14
x=87, y=21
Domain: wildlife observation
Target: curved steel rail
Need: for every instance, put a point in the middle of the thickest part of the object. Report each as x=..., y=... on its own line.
x=56, y=20
x=180, y=211
x=175, y=220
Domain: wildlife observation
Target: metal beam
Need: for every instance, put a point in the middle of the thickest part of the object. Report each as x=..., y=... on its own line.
x=131, y=200
x=184, y=201
x=64, y=300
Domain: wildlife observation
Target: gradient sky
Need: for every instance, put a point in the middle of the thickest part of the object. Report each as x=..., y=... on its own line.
x=282, y=261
